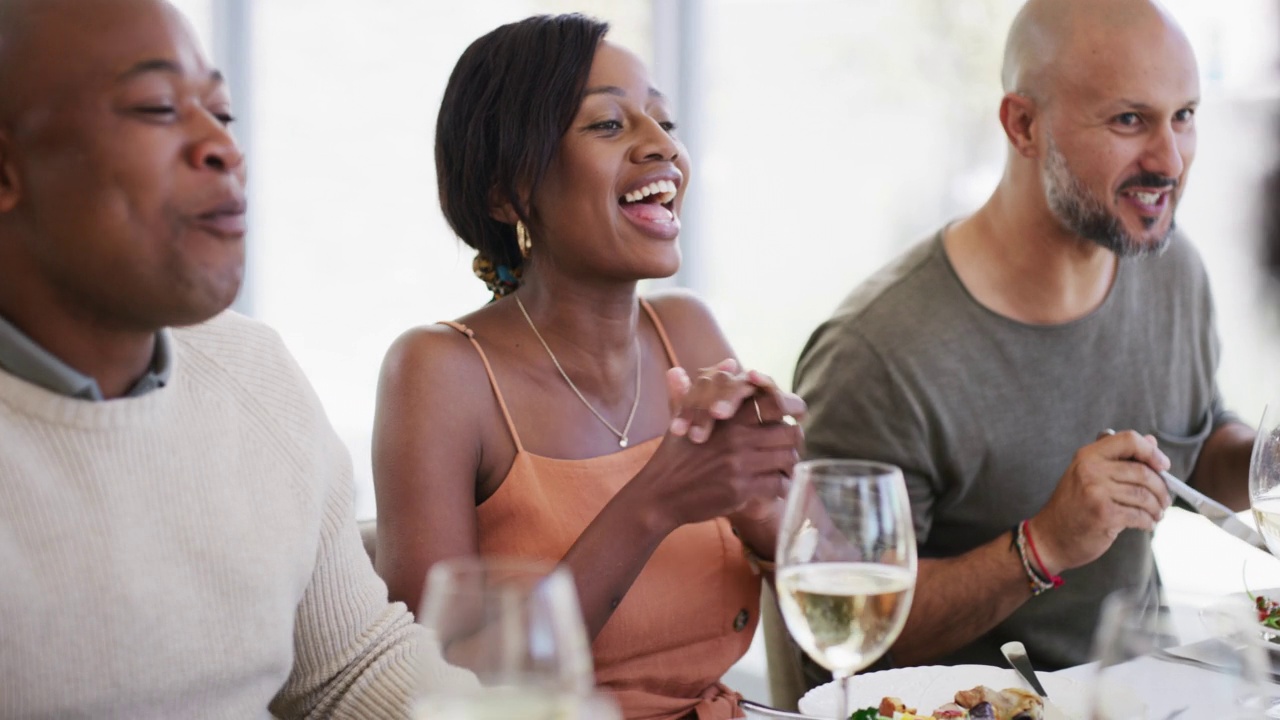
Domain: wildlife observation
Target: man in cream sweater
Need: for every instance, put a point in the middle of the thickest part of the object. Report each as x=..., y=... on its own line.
x=176, y=530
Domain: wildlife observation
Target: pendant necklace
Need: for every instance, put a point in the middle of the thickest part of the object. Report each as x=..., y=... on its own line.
x=622, y=434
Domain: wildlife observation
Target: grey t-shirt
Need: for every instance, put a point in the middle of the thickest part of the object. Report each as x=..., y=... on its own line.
x=984, y=414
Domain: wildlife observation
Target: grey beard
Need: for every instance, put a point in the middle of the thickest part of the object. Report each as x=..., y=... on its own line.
x=1082, y=213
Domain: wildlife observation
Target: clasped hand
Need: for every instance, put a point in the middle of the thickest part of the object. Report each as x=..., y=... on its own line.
x=730, y=449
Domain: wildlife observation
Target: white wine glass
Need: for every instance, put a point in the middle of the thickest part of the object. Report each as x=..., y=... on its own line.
x=1264, y=478
x=515, y=624
x=846, y=564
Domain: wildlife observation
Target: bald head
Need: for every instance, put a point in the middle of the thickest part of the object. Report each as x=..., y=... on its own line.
x=18, y=21
x=48, y=47
x=1053, y=38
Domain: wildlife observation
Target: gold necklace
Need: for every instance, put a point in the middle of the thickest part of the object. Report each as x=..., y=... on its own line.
x=626, y=429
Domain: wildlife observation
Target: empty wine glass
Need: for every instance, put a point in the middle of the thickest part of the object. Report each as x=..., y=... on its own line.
x=1135, y=629
x=517, y=625
x=1264, y=478
x=846, y=564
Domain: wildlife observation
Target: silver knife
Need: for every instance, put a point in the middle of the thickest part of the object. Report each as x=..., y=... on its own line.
x=1216, y=512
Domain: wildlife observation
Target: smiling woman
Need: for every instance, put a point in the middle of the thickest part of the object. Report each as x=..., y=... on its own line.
x=536, y=426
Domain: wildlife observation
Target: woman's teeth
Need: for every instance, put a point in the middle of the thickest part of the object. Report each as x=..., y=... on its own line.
x=664, y=189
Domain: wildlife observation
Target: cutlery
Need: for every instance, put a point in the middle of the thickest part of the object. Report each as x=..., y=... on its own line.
x=1016, y=653
x=1206, y=654
x=1214, y=511
x=769, y=712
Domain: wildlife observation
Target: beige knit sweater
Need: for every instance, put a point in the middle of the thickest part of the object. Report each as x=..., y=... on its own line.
x=192, y=552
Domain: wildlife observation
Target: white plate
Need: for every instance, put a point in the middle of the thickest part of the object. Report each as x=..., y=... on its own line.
x=929, y=686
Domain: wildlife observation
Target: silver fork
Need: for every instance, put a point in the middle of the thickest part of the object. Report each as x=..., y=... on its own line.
x=1163, y=654
x=766, y=711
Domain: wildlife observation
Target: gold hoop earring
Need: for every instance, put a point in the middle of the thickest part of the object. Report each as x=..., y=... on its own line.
x=523, y=241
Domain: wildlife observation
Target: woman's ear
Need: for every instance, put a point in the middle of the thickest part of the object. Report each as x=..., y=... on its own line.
x=502, y=208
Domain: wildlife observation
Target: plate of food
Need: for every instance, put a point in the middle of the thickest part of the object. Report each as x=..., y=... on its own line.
x=956, y=692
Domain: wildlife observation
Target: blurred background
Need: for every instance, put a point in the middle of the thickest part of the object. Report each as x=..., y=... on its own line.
x=826, y=136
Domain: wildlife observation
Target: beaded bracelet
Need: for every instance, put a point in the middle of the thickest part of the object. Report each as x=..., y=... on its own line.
x=1031, y=543
x=1039, y=578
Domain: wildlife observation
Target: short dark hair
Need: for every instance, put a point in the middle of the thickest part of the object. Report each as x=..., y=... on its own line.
x=510, y=99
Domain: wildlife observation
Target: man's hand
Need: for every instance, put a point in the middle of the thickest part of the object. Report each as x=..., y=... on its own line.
x=1111, y=484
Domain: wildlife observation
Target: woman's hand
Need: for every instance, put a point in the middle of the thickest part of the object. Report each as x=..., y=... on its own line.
x=740, y=468
x=757, y=522
x=737, y=472
x=719, y=393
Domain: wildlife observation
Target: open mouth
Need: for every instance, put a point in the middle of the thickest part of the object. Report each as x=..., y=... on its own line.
x=652, y=203
x=1148, y=201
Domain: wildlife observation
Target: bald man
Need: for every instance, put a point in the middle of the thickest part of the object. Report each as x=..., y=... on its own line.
x=987, y=359
x=176, y=529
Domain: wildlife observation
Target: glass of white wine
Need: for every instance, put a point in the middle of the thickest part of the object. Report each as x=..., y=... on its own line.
x=846, y=564
x=515, y=624
x=1264, y=478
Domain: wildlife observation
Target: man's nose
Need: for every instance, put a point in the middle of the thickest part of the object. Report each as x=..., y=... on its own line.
x=1163, y=155
x=216, y=149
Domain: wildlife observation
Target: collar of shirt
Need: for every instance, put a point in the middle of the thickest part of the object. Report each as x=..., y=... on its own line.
x=22, y=357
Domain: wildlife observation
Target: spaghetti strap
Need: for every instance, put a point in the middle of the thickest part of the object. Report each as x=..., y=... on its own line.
x=488, y=369
x=662, y=333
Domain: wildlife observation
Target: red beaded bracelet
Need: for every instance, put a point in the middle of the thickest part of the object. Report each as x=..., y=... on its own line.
x=1031, y=543
x=1038, y=578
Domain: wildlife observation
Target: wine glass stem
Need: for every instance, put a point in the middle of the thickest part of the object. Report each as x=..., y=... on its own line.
x=842, y=695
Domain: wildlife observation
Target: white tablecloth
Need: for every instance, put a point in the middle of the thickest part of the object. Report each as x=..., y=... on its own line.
x=1164, y=686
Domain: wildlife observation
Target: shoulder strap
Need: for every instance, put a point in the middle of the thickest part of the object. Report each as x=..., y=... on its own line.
x=662, y=333
x=488, y=369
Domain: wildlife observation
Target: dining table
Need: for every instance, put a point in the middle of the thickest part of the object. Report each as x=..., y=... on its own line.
x=1167, y=687
x=1213, y=568
x=1171, y=687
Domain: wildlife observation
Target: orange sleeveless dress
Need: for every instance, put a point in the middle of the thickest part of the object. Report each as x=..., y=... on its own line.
x=689, y=615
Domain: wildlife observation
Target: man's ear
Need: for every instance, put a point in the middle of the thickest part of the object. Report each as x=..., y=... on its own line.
x=1021, y=122
x=10, y=186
